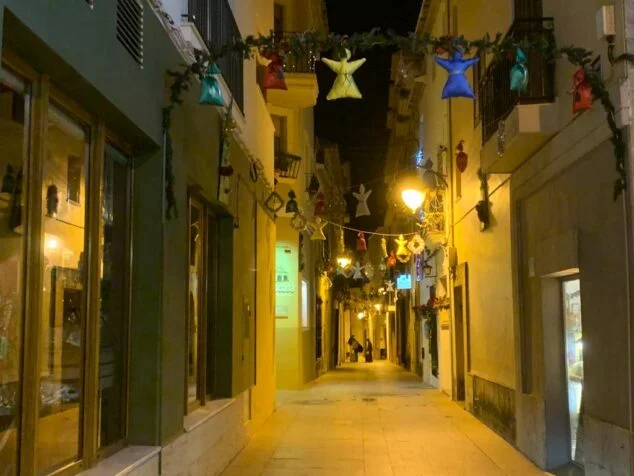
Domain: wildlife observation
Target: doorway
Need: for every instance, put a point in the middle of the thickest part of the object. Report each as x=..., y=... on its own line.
x=573, y=345
x=459, y=343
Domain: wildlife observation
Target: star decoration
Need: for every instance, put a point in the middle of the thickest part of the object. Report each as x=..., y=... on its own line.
x=362, y=206
x=344, y=86
x=389, y=287
x=357, y=268
x=318, y=227
x=416, y=245
x=457, y=85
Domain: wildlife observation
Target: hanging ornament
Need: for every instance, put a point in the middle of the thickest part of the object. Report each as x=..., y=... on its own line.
x=389, y=286
x=274, y=202
x=501, y=136
x=318, y=227
x=348, y=271
x=457, y=85
x=299, y=222
x=401, y=252
x=416, y=245
x=210, y=91
x=519, y=72
x=291, y=204
x=383, y=248
x=581, y=92
x=461, y=157
x=320, y=205
x=274, y=77
x=361, y=243
x=344, y=85
x=362, y=197
x=391, y=260
x=358, y=274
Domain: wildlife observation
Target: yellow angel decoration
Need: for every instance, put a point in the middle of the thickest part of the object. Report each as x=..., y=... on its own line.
x=402, y=253
x=344, y=86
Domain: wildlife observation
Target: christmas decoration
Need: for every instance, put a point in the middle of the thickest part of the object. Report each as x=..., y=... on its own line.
x=357, y=268
x=344, y=85
x=274, y=77
x=348, y=272
x=581, y=92
x=457, y=84
x=361, y=243
x=274, y=202
x=519, y=72
x=362, y=197
x=391, y=260
x=461, y=157
x=320, y=205
x=389, y=286
x=383, y=248
x=416, y=245
x=225, y=170
x=402, y=254
x=318, y=227
x=299, y=222
x=210, y=91
x=501, y=136
x=291, y=204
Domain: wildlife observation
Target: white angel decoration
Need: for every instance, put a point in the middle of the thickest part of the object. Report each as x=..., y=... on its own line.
x=362, y=206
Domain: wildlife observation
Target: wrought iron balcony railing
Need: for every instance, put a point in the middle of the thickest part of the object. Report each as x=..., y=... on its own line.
x=303, y=62
x=287, y=165
x=217, y=26
x=496, y=98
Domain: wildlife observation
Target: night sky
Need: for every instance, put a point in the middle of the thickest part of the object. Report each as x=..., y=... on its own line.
x=358, y=125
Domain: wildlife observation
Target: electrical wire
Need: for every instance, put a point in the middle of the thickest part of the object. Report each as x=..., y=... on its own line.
x=369, y=232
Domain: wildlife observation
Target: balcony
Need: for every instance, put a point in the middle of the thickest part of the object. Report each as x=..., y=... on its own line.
x=530, y=116
x=217, y=26
x=300, y=77
x=286, y=165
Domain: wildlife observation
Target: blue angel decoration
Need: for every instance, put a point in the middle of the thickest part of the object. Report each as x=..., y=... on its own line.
x=457, y=85
x=519, y=73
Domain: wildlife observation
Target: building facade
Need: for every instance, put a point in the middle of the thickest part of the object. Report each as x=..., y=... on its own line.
x=130, y=340
x=538, y=253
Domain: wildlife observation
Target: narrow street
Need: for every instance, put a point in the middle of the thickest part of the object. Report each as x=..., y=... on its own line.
x=375, y=419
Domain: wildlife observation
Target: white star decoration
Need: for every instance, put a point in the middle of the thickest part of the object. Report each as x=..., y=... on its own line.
x=362, y=206
x=344, y=86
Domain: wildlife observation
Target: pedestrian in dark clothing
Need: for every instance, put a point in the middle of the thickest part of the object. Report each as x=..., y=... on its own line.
x=368, y=350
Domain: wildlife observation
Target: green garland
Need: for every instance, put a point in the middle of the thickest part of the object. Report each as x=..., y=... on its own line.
x=311, y=43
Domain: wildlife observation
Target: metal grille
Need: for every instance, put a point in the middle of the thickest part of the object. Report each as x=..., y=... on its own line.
x=130, y=27
x=496, y=98
x=217, y=26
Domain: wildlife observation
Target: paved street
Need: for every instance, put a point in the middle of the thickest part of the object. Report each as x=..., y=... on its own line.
x=375, y=419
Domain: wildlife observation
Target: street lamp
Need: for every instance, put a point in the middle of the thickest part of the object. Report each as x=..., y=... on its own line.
x=343, y=260
x=361, y=315
x=412, y=190
x=377, y=307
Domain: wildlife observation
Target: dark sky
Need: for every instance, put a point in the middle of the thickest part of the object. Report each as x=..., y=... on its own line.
x=358, y=125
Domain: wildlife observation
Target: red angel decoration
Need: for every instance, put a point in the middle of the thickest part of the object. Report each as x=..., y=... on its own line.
x=461, y=157
x=581, y=92
x=361, y=243
x=274, y=77
x=391, y=261
x=320, y=205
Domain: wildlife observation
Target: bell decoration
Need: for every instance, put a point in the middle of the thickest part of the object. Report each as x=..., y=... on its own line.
x=291, y=204
x=8, y=181
x=461, y=157
x=581, y=92
x=402, y=254
x=361, y=243
x=274, y=77
x=320, y=205
x=318, y=230
x=210, y=91
x=519, y=72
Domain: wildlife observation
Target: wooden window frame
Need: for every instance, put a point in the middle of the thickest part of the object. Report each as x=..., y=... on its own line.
x=41, y=95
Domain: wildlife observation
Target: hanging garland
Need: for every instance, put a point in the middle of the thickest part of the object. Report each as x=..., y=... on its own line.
x=310, y=42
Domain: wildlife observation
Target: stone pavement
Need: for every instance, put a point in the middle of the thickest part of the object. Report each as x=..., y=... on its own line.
x=375, y=419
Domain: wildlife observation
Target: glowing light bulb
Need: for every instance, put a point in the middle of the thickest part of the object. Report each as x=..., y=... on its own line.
x=413, y=198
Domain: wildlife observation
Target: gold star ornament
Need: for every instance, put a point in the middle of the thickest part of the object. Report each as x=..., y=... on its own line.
x=344, y=86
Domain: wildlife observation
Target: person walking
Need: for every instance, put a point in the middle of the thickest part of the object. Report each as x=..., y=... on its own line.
x=355, y=348
x=368, y=350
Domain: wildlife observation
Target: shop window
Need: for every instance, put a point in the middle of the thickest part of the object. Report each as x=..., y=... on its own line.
x=63, y=319
x=14, y=99
x=201, y=301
